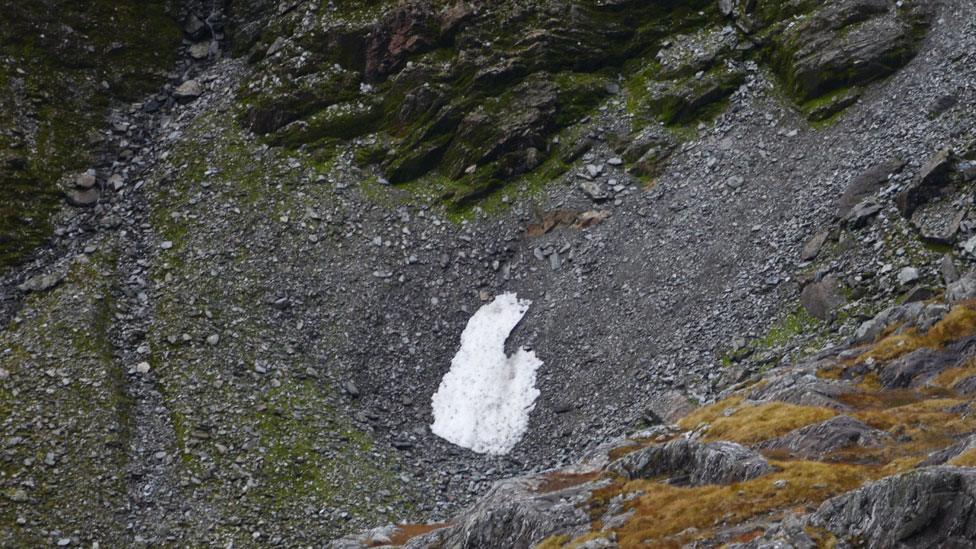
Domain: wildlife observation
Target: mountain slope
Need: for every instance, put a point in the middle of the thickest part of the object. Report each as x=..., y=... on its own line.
x=238, y=342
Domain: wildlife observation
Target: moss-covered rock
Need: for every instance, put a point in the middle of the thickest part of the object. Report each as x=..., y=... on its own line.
x=472, y=94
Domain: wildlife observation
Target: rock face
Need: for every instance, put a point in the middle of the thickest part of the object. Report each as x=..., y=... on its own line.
x=832, y=48
x=513, y=514
x=933, y=507
x=478, y=94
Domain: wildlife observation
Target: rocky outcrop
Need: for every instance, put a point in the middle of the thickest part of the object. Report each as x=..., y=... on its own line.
x=693, y=462
x=917, y=367
x=513, y=514
x=821, y=439
x=933, y=507
x=824, y=51
x=479, y=94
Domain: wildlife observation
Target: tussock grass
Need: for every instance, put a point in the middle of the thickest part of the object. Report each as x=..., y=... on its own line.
x=949, y=378
x=959, y=323
x=918, y=421
x=965, y=459
x=663, y=511
x=737, y=421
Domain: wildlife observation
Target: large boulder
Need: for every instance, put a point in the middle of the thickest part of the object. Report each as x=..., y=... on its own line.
x=866, y=185
x=934, y=178
x=934, y=507
x=694, y=462
x=823, y=297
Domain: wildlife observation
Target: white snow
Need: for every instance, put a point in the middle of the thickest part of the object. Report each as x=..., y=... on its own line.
x=484, y=401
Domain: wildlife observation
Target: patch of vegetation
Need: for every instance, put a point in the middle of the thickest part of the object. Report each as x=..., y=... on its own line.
x=672, y=515
x=960, y=322
x=54, y=55
x=736, y=420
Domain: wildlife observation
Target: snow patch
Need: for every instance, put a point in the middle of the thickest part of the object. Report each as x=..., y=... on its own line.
x=484, y=401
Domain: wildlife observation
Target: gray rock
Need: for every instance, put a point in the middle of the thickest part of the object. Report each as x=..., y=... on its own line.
x=594, y=190
x=671, y=406
x=907, y=275
x=917, y=367
x=41, y=283
x=693, y=462
x=727, y=7
x=822, y=298
x=200, y=50
x=85, y=180
x=188, y=91
x=83, y=198
x=866, y=186
x=948, y=268
x=908, y=315
x=801, y=386
x=961, y=290
x=515, y=514
x=935, y=175
x=933, y=507
x=818, y=440
x=195, y=28
x=812, y=248
x=861, y=214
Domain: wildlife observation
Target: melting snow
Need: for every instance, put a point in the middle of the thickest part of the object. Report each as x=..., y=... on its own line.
x=483, y=402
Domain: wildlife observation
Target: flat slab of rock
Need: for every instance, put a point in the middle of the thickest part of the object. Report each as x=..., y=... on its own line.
x=813, y=246
x=866, y=186
x=41, y=283
x=694, y=462
x=817, y=440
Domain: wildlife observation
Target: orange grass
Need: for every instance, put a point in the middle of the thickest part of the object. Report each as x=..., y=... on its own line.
x=736, y=421
x=664, y=511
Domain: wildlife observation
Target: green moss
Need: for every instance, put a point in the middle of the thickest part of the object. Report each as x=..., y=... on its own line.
x=66, y=49
x=796, y=323
x=72, y=382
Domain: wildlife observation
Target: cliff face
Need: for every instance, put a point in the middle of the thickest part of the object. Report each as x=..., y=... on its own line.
x=239, y=243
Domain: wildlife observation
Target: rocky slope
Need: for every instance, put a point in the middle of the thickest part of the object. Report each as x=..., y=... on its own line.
x=230, y=332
